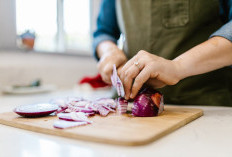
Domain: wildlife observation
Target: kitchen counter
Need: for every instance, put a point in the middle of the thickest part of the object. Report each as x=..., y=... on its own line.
x=208, y=136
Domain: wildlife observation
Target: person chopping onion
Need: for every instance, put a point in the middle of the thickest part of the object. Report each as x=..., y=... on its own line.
x=183, y=47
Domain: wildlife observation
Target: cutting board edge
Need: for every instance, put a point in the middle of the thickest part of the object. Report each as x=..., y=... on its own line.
x=99, y=140
x=176, y=126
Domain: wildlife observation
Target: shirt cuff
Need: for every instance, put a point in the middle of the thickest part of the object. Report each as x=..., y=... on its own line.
x=97, y=40
x=225, y=31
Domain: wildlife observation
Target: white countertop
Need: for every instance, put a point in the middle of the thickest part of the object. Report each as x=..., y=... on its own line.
x=208, y=136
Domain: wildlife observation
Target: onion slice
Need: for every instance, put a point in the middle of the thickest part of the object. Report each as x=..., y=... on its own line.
x=74, y=116
x=35, y=110
x=62, y=124
x=103, y=111
x=117, y=83
x=122, y=105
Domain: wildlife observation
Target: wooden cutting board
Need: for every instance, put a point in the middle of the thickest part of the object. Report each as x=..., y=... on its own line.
x=113, y=129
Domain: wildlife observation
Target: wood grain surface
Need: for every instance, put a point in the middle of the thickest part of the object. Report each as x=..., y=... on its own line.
x=113, y=129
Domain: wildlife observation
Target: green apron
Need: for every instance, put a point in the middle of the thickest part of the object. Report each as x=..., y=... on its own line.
x=168, y=28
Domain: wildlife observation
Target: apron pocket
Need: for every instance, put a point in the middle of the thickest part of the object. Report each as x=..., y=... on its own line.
x=175, y=13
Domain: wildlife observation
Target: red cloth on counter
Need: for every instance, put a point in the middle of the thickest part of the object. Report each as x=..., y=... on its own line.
x=95, y=81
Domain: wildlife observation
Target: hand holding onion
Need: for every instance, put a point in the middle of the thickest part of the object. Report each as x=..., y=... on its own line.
x=147, y=68
x=147, y=103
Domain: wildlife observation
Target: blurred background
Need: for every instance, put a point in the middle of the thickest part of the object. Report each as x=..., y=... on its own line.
x=47, y=39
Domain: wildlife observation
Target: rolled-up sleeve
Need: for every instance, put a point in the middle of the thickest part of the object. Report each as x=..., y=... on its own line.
x=226, y=30
x=107, y=26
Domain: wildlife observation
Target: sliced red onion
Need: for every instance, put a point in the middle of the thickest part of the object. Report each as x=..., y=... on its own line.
x=67, y=111
x=107, y=102
x=90, y=114
x=64, y=106
x=36, y=110
x=78, y=109
x=122, y=105
x=74, y=116
x=73, y=100
x=62, y=124
x=147, y=103
x=93, y=107
x=83, y=103
x=117, y=83
x=108, y=108
x=114, y=76
x=103, y=111
x=59, y=110
x=103, y=106
x=113, y=80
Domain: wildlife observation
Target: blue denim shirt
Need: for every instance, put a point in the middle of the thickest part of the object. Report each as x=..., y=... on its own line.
x=108, y=29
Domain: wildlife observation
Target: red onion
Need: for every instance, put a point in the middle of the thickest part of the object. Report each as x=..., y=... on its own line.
x=122, y=105
x=62, y=124
x=117, y=83
x=74, y=116
x=103, y=111
x=103, y=106
x=36, y=110
x=148, y=103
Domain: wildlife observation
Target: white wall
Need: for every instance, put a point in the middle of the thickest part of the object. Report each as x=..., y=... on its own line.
x=7, y=25
x=61, y=70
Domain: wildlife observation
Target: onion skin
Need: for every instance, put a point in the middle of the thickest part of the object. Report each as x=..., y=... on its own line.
x=147, y=103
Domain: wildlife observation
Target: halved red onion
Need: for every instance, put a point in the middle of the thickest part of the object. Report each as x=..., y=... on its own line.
x=36, y=110
x=148, y=103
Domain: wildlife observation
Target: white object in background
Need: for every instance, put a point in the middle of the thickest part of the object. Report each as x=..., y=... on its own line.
x=28, y=90
x=87, y=92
